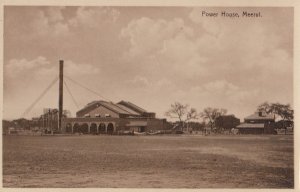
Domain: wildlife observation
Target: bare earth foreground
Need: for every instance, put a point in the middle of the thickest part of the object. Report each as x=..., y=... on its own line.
x=177, y=161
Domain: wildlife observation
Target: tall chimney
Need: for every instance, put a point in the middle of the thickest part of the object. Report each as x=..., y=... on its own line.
x=60, y=99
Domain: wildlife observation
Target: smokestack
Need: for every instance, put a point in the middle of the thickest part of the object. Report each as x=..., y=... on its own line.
x=60, y=99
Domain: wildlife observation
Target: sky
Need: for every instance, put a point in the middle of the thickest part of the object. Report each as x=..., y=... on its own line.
x=150, y=56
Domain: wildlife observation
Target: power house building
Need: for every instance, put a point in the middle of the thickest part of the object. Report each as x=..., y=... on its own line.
x=112, y=118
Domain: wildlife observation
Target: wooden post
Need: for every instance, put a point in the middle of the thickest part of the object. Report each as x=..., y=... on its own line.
x=60, y=100
x=50, y=121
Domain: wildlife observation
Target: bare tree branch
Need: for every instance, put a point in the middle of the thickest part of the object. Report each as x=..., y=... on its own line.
x=211, y=114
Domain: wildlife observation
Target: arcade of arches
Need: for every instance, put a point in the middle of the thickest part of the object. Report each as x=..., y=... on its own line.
x=91, y=128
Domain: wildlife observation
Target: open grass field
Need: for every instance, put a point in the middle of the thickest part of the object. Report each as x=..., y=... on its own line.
x=178, y=161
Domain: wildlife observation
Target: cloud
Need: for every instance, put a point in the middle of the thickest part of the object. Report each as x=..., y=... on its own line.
x=224, y=90
x=40, y=67
x=169, y=45
x=15, y=66
x=221, y=94
x=229, y=63
x=220, y=86
x=154, y=58
x=194, y=52
x=91, y=16
x=71, y=69
x=139, y=81
x=25, y=79
x=54, y=14
x=146, y=35
x=75, y=69
x=52, y=22
x=211, y=25
x=179, y=49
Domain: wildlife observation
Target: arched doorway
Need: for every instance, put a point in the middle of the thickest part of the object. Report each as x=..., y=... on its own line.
x=76, y=128
x=102, y=128
x=84, y=128
x=110, y=128
x=93, y=128
x=69, y=128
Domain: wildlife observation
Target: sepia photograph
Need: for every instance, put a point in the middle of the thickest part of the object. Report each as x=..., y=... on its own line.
x=163, y=97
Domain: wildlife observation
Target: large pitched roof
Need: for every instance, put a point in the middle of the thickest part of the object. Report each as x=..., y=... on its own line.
x=117, y=108
x=256, y=116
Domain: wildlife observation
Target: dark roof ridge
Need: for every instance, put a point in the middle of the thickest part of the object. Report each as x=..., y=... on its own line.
x=120, y=107
x=99, y=102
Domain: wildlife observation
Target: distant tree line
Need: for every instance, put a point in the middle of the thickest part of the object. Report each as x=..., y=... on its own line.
x=27, y=124
x=186, y=116
x=17, y=123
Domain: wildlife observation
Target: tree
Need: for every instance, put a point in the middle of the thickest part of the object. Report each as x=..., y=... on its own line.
x=211, y=114
x=282, y=111
x=191, y=114
x=182, y=113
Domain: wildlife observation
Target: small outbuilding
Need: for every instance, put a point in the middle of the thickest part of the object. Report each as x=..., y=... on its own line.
x=258, y=123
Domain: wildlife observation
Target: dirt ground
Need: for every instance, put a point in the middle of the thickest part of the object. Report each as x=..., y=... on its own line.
x=177, y=161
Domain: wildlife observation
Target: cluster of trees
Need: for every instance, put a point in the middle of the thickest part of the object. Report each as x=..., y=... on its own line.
x=17, y=123
x=281, y=111
x=184, y=114
x=284, y=114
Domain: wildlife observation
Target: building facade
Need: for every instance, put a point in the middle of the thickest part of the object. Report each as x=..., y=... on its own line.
x=102, y=117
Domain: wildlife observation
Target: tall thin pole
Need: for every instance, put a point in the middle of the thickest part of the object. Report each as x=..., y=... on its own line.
x=60, y=100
